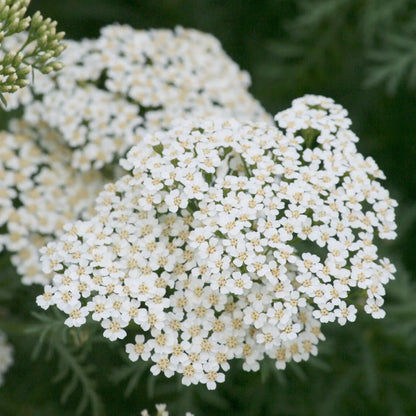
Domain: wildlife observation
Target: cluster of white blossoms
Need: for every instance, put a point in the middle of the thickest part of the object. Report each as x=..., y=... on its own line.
x=112, y=90
x=6, y=356
x=128, y=82
x=229, y=240
x=39, y=193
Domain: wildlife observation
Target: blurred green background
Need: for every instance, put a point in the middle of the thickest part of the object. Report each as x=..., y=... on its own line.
x=362, y=53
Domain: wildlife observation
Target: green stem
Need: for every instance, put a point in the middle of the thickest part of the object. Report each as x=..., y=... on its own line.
x=246, y=168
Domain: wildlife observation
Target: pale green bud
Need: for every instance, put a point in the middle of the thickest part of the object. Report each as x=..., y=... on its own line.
x=57, y=66
x=14, y=25
x=21, y=83
x=24, y=24
x=45, y=57
x=4, y=13
x=18, y=58
x=59, y=49
x=8, y=58
x=23, y=71
x=10, y=70
x=15, y=7
x=36, y=20
x=12, y=78
x=20, y=13
x=59, y=36
x=43, y=28
x=46, y=69
x=42, y=41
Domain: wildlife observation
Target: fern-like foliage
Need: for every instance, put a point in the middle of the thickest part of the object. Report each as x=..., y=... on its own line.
x=401, y=321
x=132, y=373
x=394, y=63
x=325, y=39
x=70, y=348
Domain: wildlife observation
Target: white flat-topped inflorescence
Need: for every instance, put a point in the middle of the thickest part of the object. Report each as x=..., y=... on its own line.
x=229, y=239
x=117, y=88
x=112, y=91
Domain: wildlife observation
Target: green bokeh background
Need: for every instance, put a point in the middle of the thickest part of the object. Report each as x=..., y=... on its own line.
x=337, y=48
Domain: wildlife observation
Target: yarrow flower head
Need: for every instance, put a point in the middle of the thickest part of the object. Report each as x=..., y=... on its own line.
x=229, y=240
x=112, y=91
x=127, y=82
x=6, y=356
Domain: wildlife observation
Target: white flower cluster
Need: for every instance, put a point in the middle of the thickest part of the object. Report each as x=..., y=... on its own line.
x=126, y=83
x=161, y=410
x=39, y=193
x=6, y=356
x=229, y=240
x=112, y=91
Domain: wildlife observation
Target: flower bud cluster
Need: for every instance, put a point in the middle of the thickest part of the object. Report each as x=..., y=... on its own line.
x=229, y=240
x=39, y=193
x=20, y=51
x=6, y=356
x=128, y=82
